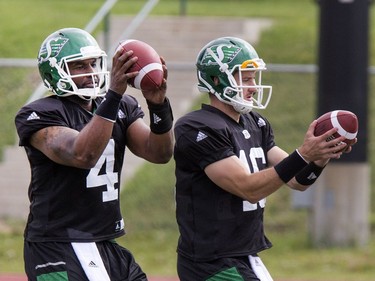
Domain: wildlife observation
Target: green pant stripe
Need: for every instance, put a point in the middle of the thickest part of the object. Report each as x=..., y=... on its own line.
x=225, y=275
x=54, y=276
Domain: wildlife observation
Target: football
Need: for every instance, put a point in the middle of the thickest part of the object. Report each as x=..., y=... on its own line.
x=345, y=121
x=149, y=65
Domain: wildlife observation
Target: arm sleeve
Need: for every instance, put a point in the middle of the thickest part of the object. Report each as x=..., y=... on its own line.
x=36, y=116
x=204, y=145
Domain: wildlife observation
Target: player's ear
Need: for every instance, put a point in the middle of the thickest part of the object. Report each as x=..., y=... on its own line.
x=216, y=80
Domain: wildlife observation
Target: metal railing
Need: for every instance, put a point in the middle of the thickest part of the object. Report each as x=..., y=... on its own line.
x=292, y=68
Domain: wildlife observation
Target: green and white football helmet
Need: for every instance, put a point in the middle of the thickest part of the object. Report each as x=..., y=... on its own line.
x=67, y=45
x=222, y=58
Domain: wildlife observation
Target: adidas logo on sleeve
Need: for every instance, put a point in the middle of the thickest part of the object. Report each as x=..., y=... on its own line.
x=200, y=136
x=33, y=116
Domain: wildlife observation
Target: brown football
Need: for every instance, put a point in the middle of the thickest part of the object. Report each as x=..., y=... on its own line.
x=345, y=121
x=149, y=65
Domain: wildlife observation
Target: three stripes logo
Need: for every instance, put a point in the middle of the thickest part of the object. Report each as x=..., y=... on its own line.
x=33, y=116
x=312, y=176
x=200, y=136
x=92, y=264
x=121, y=114
x=156, y=118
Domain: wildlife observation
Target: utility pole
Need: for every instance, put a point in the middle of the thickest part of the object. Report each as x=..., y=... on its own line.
x=341, y=198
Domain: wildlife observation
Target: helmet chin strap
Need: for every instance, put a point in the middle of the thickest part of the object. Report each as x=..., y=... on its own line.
x=242, y=109
x=88, y=93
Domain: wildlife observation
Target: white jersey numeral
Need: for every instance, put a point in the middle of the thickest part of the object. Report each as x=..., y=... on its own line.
x=109, y=178
x=255, y=153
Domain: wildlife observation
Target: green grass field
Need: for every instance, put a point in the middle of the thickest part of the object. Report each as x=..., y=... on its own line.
x=148, y=204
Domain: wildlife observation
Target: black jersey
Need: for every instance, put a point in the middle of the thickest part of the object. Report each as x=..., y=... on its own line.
x=67, y=203
x=214, y=223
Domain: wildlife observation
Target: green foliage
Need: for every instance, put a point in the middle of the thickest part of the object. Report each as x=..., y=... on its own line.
x=149, y=197
x=11, y=253
x=292, y=258
x=13, y=94
x=154, y=249
x=292, y=93
x=11, y=246
x=148, y=209
x=24, y=23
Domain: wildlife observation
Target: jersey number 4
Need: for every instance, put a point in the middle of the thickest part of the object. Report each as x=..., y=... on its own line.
x=97, y=178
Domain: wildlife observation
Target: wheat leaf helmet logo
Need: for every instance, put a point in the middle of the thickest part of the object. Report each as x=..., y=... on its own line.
x=51, y=49
x=225, y=53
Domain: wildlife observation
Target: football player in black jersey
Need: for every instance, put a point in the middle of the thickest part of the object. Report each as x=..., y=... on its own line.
x=227, y=163
x=75, y=141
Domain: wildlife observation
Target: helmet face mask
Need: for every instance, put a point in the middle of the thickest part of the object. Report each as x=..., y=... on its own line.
x=66, y=46
x=224, y=58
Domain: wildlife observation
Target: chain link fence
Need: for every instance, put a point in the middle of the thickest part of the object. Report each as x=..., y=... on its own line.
x=17, y=83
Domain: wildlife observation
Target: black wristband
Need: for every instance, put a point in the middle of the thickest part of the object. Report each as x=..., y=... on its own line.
x=161, y=117
x=309, y=174
x=108, y=109
x=290, y=166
